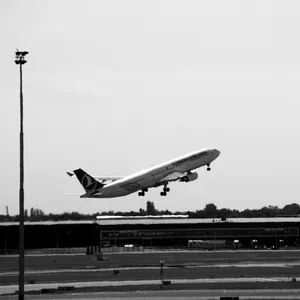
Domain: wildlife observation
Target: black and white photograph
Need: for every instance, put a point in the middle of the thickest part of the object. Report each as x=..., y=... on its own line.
x=150, y=149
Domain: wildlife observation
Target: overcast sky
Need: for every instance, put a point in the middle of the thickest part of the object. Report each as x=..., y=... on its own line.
x=114, y=87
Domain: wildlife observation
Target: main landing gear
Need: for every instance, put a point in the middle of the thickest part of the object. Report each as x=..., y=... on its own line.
x=165, y=191
x=208, y=168
x=142, y=192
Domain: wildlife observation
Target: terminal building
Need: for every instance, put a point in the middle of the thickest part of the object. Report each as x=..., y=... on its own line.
x=174, y=232
x=163, y=231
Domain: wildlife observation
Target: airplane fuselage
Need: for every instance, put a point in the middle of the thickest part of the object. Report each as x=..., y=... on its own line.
x=152, y=177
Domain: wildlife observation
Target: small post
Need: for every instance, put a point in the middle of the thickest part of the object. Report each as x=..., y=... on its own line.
x=161, y=263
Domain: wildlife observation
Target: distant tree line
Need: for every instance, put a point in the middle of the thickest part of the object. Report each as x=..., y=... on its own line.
x=210, y=211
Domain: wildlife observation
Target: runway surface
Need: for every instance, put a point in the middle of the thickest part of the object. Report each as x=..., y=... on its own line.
x=215, y=269
x=142, y=259
x=8, y=289
x=152, y=274
x=177, y=295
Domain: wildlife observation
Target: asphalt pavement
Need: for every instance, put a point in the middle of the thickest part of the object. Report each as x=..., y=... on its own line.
x=176, y=295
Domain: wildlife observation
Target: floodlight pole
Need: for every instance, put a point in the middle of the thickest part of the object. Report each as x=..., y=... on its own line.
x=20, y=60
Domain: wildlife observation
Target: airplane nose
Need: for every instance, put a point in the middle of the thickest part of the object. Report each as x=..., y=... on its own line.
x=217, y=153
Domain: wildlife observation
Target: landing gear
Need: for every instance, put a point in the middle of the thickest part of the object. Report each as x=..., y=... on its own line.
x=208, y=168
x=142, y=192
x=165, y=191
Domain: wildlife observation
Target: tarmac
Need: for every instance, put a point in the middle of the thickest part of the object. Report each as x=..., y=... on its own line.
x=10, y=289
x=177, y=295
x=207, y=275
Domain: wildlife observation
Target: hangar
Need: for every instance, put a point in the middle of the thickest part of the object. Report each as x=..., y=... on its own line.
x=171, y=231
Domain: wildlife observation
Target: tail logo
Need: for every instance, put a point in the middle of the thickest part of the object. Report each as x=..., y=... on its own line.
x=88, y=183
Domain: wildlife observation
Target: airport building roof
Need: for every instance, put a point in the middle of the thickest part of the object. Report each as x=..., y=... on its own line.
x=149, y=221
x=153, y=221
x=143, y=217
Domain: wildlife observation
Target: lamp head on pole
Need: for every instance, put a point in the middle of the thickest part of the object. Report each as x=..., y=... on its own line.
x=20, y=57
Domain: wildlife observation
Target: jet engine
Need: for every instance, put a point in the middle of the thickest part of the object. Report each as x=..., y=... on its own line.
x=190, y=177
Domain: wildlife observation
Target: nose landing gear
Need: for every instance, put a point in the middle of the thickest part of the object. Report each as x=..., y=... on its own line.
x=208, y=168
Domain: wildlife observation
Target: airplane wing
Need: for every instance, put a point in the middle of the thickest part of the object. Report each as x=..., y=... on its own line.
x=172, y=177
x=177, y=176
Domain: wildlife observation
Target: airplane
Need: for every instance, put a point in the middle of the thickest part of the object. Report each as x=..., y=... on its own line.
x=178, y=169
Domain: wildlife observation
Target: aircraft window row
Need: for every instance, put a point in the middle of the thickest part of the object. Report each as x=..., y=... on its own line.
x=196, y=156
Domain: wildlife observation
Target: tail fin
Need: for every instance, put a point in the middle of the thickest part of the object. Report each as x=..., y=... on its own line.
x=89, y=183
